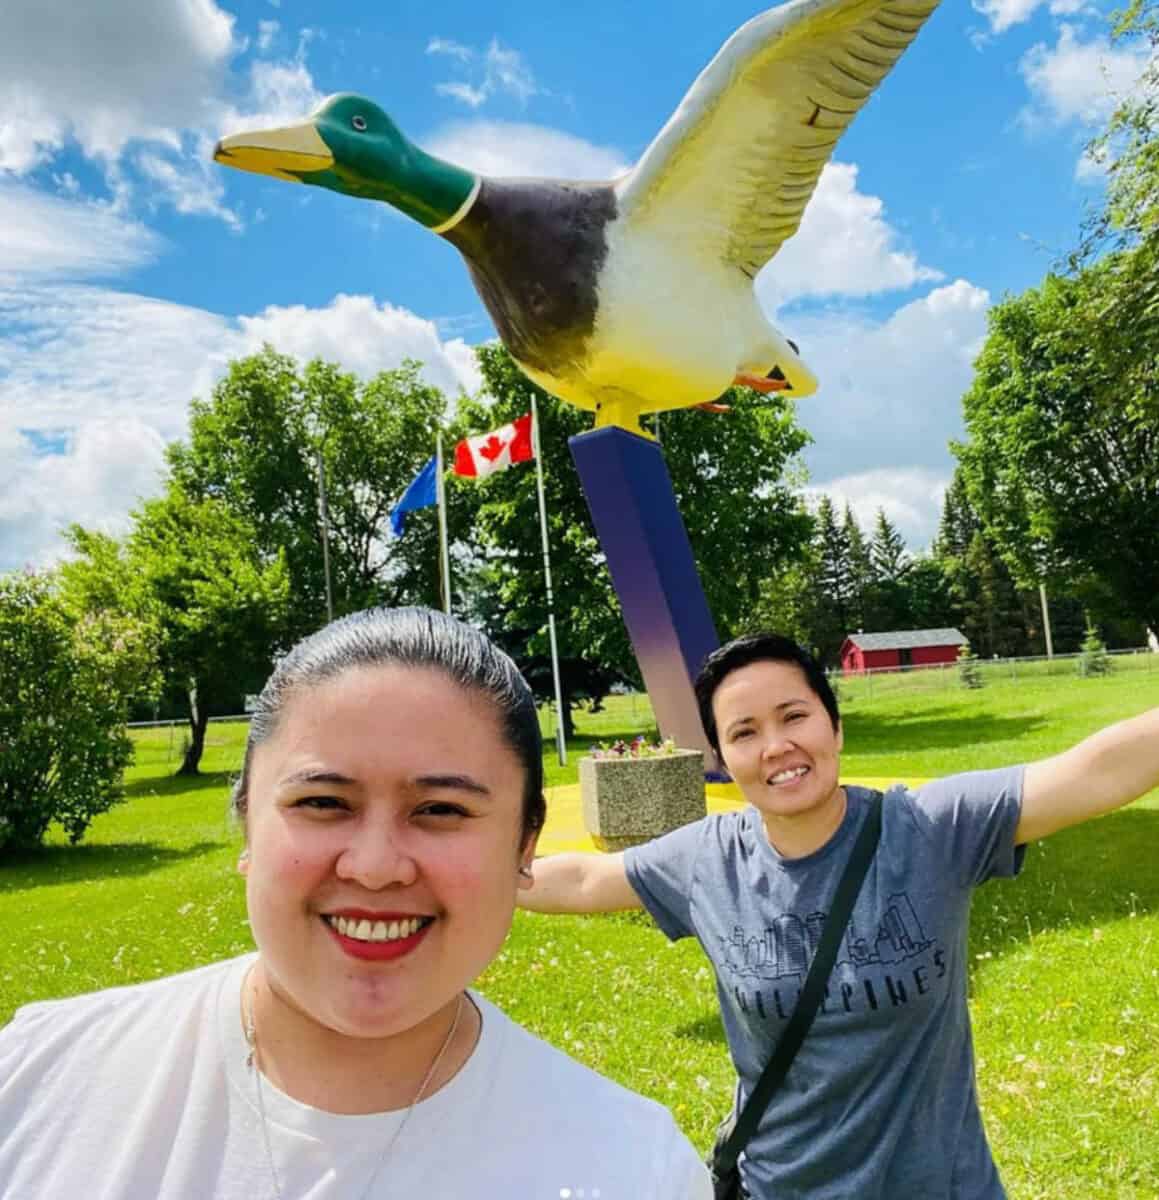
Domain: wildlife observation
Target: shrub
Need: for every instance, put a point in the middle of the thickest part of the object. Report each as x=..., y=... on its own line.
x=65, y=686
x=1093, y=659
x=969, y=669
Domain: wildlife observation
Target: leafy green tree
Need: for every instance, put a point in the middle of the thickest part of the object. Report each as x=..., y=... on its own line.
x=254, y=446
x=220, y=607
x=787, y=602
x=1062, y=461
x=101, y=582
x=727, y=471
x=67, y=684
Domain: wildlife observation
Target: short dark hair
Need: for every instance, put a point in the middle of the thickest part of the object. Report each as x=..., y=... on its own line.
x=758, y=647
x=410, y=637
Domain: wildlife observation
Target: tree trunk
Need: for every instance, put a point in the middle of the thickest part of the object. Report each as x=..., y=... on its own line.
x=568, y=716
x=198, y=719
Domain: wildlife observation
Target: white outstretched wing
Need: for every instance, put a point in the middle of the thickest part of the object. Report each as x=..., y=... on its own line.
x=736, y=164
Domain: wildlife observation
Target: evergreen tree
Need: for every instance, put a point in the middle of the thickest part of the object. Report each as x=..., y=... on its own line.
x=891, y=565
x=891, y=560
x=959, y=522
x=1094, y=659
x=834, y=590
x=861, y=573
x=931, y=605
x=994, y=617
x=969, y=672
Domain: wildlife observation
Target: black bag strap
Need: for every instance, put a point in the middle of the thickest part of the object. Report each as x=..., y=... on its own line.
x=811, y=994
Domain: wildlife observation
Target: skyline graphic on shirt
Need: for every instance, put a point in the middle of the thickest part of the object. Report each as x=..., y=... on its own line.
x=785, y=948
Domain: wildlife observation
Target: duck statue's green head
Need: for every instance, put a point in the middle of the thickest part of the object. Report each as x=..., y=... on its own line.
x=350, y=145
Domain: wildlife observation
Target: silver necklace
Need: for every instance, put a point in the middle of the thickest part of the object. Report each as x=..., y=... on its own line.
x=254, y=1065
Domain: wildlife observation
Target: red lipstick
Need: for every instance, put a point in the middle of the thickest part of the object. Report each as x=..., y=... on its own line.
x=383, y=951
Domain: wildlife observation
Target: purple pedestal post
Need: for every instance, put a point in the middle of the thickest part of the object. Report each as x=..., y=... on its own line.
x=633, y=507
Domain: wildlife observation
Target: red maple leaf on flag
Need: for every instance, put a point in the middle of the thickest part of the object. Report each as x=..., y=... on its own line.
x=492, y=448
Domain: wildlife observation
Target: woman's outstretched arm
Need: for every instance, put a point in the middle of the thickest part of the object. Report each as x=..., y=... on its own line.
x=579, y=883
x=1103, y=772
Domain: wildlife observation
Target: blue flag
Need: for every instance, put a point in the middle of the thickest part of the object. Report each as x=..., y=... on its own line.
x=422, y=493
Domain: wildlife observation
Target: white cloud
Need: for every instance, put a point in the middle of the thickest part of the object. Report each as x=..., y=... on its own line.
x=506, y=148
x=1079, y=82
x=456, y=50
x=507, y=72
x=190, y=190
x=498, y=70
x=471, y=96
x=890, y=395
x=103, y=380
x=911, y=497
x=364, y=337
x=107, y=468
x=1005, y=14
x=47, y=235
x=267, y=32
x=280, y=93
x=76, y=353
x=844, y=247
x=1090, y=169
x=126, y=69
x=143, y=88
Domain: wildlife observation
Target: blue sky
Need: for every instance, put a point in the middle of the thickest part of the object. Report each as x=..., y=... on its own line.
x=132, y=268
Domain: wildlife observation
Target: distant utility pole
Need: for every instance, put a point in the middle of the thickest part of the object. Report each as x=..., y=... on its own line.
x=1045, y=620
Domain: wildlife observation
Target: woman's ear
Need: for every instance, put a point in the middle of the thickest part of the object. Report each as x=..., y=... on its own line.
x=243, y=862
x=840, y=737
x=526, y=858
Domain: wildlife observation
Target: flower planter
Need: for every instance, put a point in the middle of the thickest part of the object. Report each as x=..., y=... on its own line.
x=631, y=800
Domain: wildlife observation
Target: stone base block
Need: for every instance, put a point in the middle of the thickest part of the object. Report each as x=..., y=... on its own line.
x=627, y=800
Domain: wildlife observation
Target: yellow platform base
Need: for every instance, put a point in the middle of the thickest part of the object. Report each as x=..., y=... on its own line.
x=565, y=826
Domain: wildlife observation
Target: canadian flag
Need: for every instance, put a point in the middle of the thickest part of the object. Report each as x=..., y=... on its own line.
x=487, y=453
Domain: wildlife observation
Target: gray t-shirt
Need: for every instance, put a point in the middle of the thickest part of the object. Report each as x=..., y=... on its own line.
x=879, y=1103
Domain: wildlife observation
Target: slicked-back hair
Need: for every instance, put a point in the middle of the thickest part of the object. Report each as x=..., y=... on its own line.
x=751, y=648
x=407, y=637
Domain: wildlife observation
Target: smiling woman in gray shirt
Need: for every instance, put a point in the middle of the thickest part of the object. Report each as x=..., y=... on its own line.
x=880, y=1101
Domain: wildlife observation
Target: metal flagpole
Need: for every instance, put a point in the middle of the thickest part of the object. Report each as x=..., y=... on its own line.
x=560, y=743
x=444, y=553
x=324, y=516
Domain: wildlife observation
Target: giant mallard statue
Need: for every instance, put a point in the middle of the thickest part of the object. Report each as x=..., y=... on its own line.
x=635, y=295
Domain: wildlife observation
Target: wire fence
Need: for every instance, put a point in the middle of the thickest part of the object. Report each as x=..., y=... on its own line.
x=993, y=672
x=183, y=721
x=632, y=711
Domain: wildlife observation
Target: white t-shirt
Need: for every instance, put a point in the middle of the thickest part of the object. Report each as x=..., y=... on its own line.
x=142, y=1093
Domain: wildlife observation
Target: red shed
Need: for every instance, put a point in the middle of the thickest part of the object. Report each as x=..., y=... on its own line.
x=900, y=650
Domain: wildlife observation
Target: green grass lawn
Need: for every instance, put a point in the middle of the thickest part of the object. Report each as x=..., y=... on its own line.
x=1065, y=984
